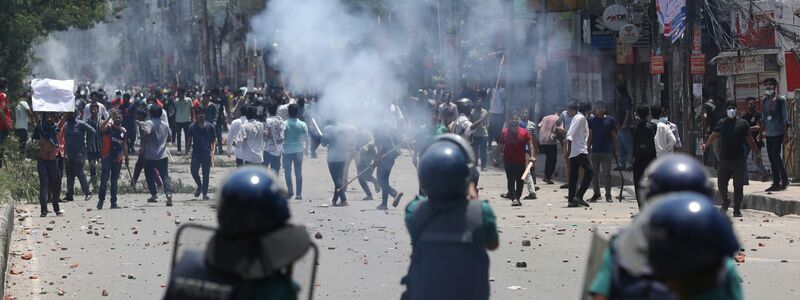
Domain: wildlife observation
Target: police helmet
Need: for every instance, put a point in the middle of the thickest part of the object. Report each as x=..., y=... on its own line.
x=251, y=202
x=444, y=168
x=678, y=234
x=464, y=105
x=675, y=173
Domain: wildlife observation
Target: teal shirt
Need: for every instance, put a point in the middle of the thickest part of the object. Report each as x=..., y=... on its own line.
x=294, y=134
x=183, y=110
x=489, y=219
x=601, y=285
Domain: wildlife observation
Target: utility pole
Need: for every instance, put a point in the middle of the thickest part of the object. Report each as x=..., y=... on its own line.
x=692, y=130
x=206, y=43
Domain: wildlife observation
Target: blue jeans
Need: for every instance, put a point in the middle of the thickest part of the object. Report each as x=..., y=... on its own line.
x=74, y=168
x=199, y=161
x=295, y=159
x=49, y=184
x=625, y=138
x=384, y=171
x=272, y=162
x=109, y=171
x=162, y=166
x=479, y=144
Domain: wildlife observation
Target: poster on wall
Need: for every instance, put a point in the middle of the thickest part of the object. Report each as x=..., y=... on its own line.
x=671, y=17
x=561, y=35
x=756, y=31
x=586, y=78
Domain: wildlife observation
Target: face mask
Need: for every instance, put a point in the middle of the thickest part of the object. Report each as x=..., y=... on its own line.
x=769, y=92
x=663, y=120
x=731, y=113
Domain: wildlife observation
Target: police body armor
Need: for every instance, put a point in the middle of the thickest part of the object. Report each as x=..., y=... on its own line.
x=625, y=286
x=449, y=250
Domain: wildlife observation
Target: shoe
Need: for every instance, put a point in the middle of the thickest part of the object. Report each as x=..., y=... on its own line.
x=152, y=199
x=342, y=203
x=746, y=182
x=290, y=196
x=169, y=200
x=764, y=178
x=59, y=213
x=530, y=196
x=381, y=207
x=573, y=204
x=536, y=188
x=99, y=206
x=564, y=186
x=67, y=199
x=548, y=181
x=516, y=203
x=506, y=196
x=397, y=198
x=784, y=185
x=197, y=192
x=581, y=202
x=609, y=199
x=87, y=197
x=368, y=198
x=206, y=198
x=42, y=215
x=723, y=209
x=594, y=198
x=737, y=214
x=298, y=197
x=114, y=206
x=773, y=188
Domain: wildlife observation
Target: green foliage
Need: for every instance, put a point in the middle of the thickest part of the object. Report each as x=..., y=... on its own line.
x=18, y=177
x=25, y=22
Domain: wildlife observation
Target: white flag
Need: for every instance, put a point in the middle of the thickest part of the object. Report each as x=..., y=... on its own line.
x=53, y=95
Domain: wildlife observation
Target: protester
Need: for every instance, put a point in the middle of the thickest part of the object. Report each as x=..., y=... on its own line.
x=183, y=116
x=480, y=135
x=365, y=163
x=46, y=132
x=776, y=120
x=733, y=132
x=235, y=128
x=448, y=111
x=295, y=145
x=128, y=110
x=94, y=100
x=155, y=132
x=644, y=148
x=512, y=144
x=201, y=138
x=530, y=181
x=22, y=114
x=564, y=123
x=387, y=144
x=114, y=152
x=93, y=144
x=497, y=113
x=603, y=149
x=625, y=119
x=547, y=144
x=753, y=117
x=335, y=138
x=449, y=233
x=252, y=213
x=5, y=117
x=75, y=133
x=665, y=139
x=274, y=140
x=220, y=118
x=577, y=138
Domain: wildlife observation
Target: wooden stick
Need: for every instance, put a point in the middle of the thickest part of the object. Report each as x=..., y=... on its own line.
x=375, y=163
x=497, y=82
x=527, y=171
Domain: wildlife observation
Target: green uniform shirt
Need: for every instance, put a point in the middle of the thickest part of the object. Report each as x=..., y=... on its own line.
x=488, y=217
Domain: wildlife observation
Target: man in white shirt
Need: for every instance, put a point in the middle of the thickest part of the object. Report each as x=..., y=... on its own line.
x=102, y=112
x=235, y=127
x=22, y=115
x=665, y=138
x=577, y=137
x=250, y=138
x=273, y=143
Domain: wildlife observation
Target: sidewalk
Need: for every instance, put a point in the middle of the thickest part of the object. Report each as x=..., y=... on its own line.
x=780, y=203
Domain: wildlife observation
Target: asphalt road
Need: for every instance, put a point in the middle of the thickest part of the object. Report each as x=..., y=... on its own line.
x=364, y=251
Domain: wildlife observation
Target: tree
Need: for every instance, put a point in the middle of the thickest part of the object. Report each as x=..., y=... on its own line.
x=25, y=22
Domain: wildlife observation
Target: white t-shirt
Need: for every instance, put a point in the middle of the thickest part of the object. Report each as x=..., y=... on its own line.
x=21, y=122
x=578, y=135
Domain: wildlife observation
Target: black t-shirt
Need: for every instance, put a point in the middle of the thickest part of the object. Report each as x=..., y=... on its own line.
x=644, y=133
x=753, y=119
x=733, y=137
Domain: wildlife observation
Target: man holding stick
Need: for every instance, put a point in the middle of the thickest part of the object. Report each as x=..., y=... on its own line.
x=512, y=144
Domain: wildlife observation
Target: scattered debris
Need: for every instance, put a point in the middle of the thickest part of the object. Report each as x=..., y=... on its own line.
x=522, y=264
x=515, y=287
x=104, y=293
x=60, y=292
x=73, y=266
x=27, y=256
x=318, y=236
x=526, y=243
x=739, y=257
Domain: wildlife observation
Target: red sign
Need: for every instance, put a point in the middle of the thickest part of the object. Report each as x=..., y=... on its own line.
x=697, y=40
x=756, y=31
x=698, y=64
x=656, y=64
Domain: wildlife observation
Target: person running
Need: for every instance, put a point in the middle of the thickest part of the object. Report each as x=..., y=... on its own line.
x=388, y=149
x=294, y=147
x=114, y=151
x=547, y=143
x=365, y=165
x=250, y=137
x=201, y=138
x=577, y=138
x=644, y=148
x=235, y=127
x=155, y=133
x=335, y=138
x=603, y=146
x=75, y=132
x=512, y=144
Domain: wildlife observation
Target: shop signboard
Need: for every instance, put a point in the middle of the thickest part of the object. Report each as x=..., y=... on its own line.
x=625, y=55
x=656, y=64
x=601, y=37
x=740, y=65
x=697, y=64
x=615, y=16
x=629, y=34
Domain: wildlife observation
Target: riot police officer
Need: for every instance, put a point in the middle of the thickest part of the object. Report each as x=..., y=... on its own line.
x=624, y=274
x=449, y=233
x=251, y=253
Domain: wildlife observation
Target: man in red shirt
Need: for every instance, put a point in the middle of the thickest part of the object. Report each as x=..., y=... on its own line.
x=512, y=144
x=5, y=116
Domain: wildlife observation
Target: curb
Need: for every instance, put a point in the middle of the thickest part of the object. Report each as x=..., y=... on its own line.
x=6, y=228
